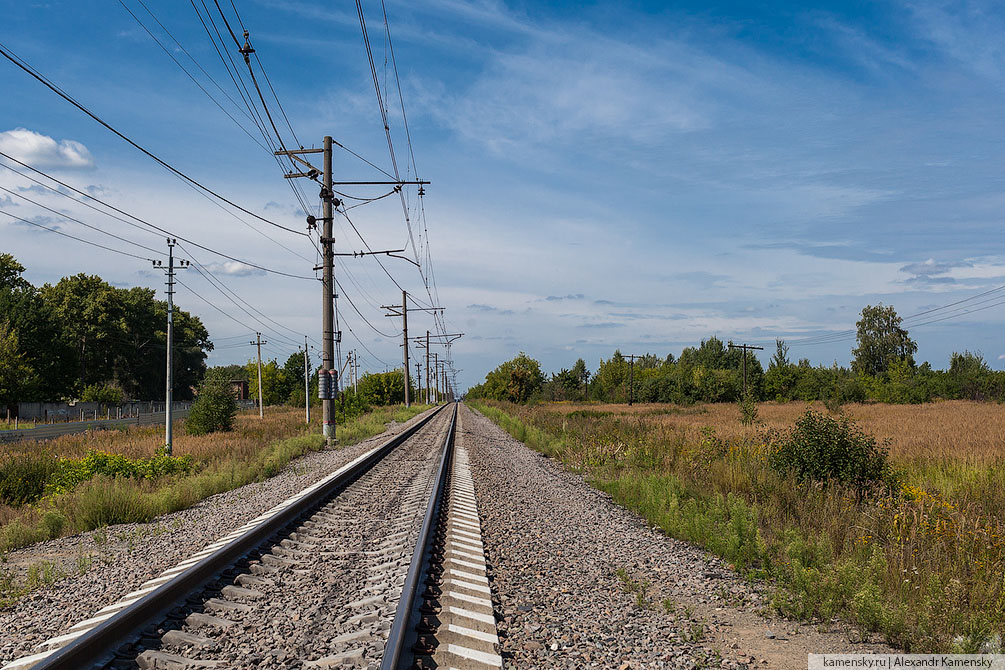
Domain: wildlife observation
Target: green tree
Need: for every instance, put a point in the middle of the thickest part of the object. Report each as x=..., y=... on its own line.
x=15, y=372
x=107, y=394
x=611, y=380
x=782, y=377
x=38, y=332
x=881, y=341
x=382, y=388
x=275, y=388
x=214, y=408
x=516, y=380
x=119, y=336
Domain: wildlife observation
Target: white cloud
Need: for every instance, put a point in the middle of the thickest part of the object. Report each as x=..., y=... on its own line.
x=234, y=269
x=44, y=152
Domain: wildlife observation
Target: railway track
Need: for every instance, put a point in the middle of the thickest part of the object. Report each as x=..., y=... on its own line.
x=379, y=565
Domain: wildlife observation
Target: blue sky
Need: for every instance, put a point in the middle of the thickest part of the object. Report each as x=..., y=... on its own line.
x=605, y=175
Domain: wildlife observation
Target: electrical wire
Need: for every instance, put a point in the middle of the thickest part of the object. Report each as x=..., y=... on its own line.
x=910, y=320
x=86, y=225
x=23, y=65
x=133, y=217
x=74, y=237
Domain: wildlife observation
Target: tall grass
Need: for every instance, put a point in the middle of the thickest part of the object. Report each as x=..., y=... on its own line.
x=924, y=564
x=255, y=451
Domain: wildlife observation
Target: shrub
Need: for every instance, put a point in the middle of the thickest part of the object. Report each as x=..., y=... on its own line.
x=70, y=472
x=822, y=448
x=106, y=501
x=23, y=477
x=106, y=394
x=213, y=410
x=748, y=408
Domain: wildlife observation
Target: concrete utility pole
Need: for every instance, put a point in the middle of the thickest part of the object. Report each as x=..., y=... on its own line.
x=436, y=379
x=418, y=380
x=355, y=370
x=428, y=384
x=307, y=383
x=403, y=313
x=330, y=203
x=169, y=383
x=745, y=347
x=258, y=343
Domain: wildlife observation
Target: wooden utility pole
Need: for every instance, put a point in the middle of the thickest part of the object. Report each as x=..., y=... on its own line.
x=169, y=383
x=631, y=378
x=745, y=348
x=258, y=343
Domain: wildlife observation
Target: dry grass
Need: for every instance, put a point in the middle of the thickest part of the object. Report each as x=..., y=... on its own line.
x=256, y=449
x=922, y=563
x=142, y=442
x=959, y=430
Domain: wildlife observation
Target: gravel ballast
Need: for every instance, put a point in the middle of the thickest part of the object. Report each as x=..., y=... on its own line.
x=581, y=582
x=104, y=565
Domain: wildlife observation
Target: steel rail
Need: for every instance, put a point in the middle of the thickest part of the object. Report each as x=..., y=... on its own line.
x=99, y=644
x=401, y=628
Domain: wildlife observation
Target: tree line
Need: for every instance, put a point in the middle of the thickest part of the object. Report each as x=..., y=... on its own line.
x=284, y=385
x=882, y=369
x=83, y=338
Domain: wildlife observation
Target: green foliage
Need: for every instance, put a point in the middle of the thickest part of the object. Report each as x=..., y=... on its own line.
x=83, y=332
x=693, y=378
x=516, y=380
x=881, y=341
x=381, y=388
x=23, y=477
x=568, y=384
x=821, y=448
x=70, y=473
x=26, y=478
x=748, y=408
x=107, y=394
x=214, y=408
x=16, y=374
x=38, y=332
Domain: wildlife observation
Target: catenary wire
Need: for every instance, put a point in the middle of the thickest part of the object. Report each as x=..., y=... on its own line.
x=23, y=65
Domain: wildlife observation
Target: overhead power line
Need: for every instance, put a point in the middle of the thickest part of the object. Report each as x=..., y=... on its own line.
x=910, y=321
x=135, y=218
x=12, y=57
x=74, y=237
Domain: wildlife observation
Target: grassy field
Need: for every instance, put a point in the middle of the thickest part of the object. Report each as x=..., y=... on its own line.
x=922, y=562
x=81, y=482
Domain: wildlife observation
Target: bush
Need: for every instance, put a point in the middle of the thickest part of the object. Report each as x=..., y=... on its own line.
x=70, y=473
x=23, y=477
x=106, y=394
x=213, y=410
x=748, y=408
x=106, y=501
x=821, y=448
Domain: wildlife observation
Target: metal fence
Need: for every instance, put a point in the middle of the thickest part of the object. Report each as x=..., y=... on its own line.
x=47, y=432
